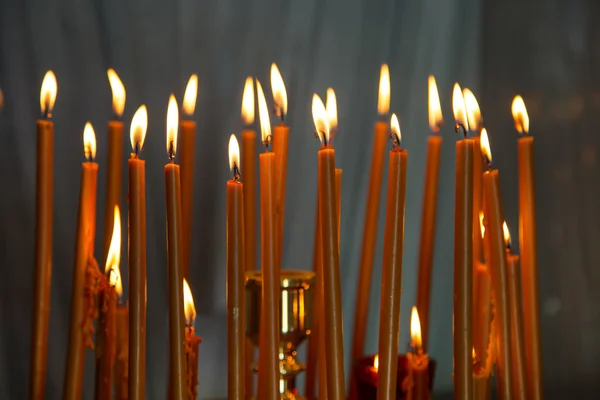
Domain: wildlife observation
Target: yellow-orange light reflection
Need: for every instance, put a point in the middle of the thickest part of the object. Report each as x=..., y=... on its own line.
x=118, y=92
x=473, y=112
x=383, y=101
x=278, y=89
x=48, y=93
x=320, y=119
x=415, y=329
x=234, y=152
x=435, y=109
x=139, y=125
x=113, y=258
x=248, y=102
x=459, y=108
x=263, y=114
x=172, y=125
x=519, y=112
x=89, y=142
x=188, y=303
x=190, y=95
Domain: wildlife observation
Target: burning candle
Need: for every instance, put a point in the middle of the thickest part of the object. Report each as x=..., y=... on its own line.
x=106, y=340
x=191, y=343
x=188, y=147
x=268, y=358
x=43, y=238
x=482, y=293
x=427, y=243
x=418, y=362
x=174, y=255
x=137, y=258
x=84, y=272
x=528, y=246
x=371, y=217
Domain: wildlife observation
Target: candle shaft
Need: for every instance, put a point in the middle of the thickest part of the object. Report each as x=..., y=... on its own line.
x=516, y=323
x=191, y=362
x=122, y=360
x=186, y=157
x=482, y=294
x=482, y=386
x=114, y=178
x=478, y=255
x=106, y=343
x=280, y=148
x=419, y=370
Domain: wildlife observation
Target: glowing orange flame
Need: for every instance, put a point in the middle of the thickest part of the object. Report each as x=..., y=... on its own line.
x=190, y=95
x=48, y=93
x=139, y=125
x=376, y=362
x=234, y=152
x=118, y=92
x=458, y=105
x=248, y=102
x=473, y=112
x=415, y=328
x=395, y=127
x=435, y=109
x=331, y=107
x=113, y=258
x=506, y=234
x=89, y=141
x=278, y=89
x=263, y=114
x=320, y=119
x=486, y=150
x=519, y=112
x=188, y=303
x=383, y=101
x=481, y=224
x=172, y=124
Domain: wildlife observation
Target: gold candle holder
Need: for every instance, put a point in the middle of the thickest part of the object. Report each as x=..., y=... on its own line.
x=295, y=316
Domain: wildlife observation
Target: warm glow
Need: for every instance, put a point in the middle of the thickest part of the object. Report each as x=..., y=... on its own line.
x=486, y=150
x=89, y=141
x=506, y=234
x=248, y=102
x=188, y=303
x=278, y=89
x=415, y=328
x=331, y=107
x=234, y=152
x=172, y=124
x=473, y=112
x=481, y=224
x=458, y=105
x=113, y=258
x=473, y=355
x=48, y=93
x=118, y=92
x=189, y=97
x=435, y=109
x=139, y=125
x=383, y=101
x=320, y=118
x=519, y=112
x=263, y=114
x=376, y=362
x=395, y=127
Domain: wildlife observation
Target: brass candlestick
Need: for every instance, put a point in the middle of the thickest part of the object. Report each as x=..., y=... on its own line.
x=296, y=308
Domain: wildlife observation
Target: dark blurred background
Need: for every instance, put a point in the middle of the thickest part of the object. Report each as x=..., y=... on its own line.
x=544, y=50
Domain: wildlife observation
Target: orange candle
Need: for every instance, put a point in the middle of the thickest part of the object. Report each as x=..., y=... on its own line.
x=391, y=278
x=528, y=246
x=482, y=388
x=418, y=363
x=186, y=156
x=371, y=216
x=497, y=263
x=137, y=258
x=236, y=338
x=427, y=242
x=106, y=340
x=43, y=239
x=191, y=343
x=332, y=299
x=122, y=360
x=82, y=295
x=463, y=255
x=268, y=358
x=482, y=293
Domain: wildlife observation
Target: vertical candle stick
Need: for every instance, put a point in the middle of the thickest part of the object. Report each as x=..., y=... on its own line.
x=122, y=359
x=82, y=293
x=186, y=156
x=427, y=242
x=463, y=255
x=482, y=295
x=419, y=362
x=371, y=216
x=137, y=258
x=391, y=279
x=528, y=246
x=43, y=239
x=192, y=341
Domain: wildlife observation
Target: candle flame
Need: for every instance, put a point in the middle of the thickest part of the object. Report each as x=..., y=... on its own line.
x=89, y=142
x=248, y=102
x=481, y=224
x=234, y=152
x=415, y=328
x=506, y=234
x=48, y=93
x=473, y=354
x=383, y=101
x=331, y=107
x=263, y=114
x=435, y=109
x=190, y=95
x=473, y=112
x=278, y=89
x=172, y=125
x=118, y=92
x=320, y=119
x=113, y=258
x=519, y=112
x=395, y=127
x=458, y=105
x=486, y=149
x=376, y=362
x=139, y=125
x=188, y=303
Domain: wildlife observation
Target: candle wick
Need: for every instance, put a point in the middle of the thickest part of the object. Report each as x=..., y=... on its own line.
x=279, y=112
x=322, y=138
x=487, y=162
x=458, y=127
x=236, y=173
x=137, y=149
x=172, y=151
x=266, y=142
x=395, y=140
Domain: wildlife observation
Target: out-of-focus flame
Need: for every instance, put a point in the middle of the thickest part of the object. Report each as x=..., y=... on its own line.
x=458, y=105
x=415, y=328
x=172, y=124
x=113, y=259
x=248, y=102
x=48, y=93
x=506, y=234
x=331, y=107
x=473, y=112
x=435, y=109
x=383, y=101
x=486, y=150
x=234, y=152
x=376, y=362
x=395, y=127
x=139, y=125
x=188, y=303
x=118, y=92
x=320, y=118
x=481, y=224
x=278, y=89
x=89, y=142
x=473, y=354
x=263, y=114
x=190, y=95
x=519, y=112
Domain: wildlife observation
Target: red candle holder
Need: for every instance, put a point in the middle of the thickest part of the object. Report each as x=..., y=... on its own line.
x=364, y=378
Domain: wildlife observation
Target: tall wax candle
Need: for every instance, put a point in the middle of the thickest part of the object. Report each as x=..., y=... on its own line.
x=84, y=252
x=528, y=246
x=192, y=341
x=122, y=360
x=236, y=338
x=369, y=240
x=137, y=258
x=186, y=156
x=482, y=292
x=43, y=239
x=391, y=278
x=428, y=217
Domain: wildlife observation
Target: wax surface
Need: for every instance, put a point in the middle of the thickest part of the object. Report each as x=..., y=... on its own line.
x=114, y=178
x=106, y=343
x=517, y=340
x=280, y=148
x=186, y=151
x=122, y=359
